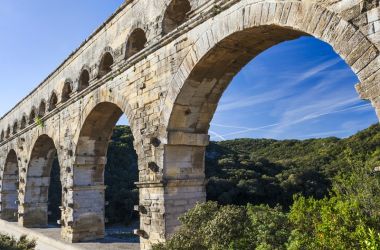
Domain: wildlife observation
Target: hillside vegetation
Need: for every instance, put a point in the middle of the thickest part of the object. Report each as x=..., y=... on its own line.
x=264, y=171
x=255, y=171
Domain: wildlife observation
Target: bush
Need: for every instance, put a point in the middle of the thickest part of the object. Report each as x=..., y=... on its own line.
x=10, y=243
x=331, y=224
x=350, y=218
x=209, y=226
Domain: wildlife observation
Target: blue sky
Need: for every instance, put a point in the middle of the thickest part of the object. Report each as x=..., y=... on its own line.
x=297, y=89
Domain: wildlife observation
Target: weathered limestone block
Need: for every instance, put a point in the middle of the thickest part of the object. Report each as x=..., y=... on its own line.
x=33, y=215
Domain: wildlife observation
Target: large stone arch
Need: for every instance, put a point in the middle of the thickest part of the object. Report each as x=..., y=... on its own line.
x=222, y=46
x=9, y=187
x=266, y=24
x=34, y=207
x=83, y=218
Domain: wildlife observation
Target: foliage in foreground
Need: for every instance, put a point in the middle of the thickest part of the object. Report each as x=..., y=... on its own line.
x=210, y=226
x=349, y=219
x=11, y=243
x=311, y=224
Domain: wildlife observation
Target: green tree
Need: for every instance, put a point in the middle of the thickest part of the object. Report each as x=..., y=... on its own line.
x=210, y=226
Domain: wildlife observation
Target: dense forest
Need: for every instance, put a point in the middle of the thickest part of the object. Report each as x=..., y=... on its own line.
x=282, y=194
x=255, y=171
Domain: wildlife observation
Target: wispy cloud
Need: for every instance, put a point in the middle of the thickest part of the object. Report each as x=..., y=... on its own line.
x=312, y=112
x=309, y=94
x=319, y=106
x=311, y=72
x=298, y=74
x=280, y=125
x=214, y=134
x=250, y=101
x=228, y=126
x=285, y=88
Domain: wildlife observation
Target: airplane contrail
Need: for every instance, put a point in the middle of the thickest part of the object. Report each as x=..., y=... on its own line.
x=310, y=117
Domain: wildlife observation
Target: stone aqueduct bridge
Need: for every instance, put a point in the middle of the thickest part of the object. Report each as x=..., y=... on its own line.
x=165, y=64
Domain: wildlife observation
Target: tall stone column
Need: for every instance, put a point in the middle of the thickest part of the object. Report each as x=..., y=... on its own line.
x=8, y=197
x=84, y=200
x=184, y=175
x=33, y=211
x=178, y=185
x=152, y=213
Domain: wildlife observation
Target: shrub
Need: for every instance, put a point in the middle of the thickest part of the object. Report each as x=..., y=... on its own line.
x=10, y=243
x=209, y=226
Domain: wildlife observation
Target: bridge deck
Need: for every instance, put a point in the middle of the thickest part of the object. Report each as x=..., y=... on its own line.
x=49, y=239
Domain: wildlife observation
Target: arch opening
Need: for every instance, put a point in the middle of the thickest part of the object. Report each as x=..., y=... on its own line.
x=198, y=98
x=216, y=70
x=136, y=42
x=38, y=183
x=15, y=127
x=55, y=194
x=53, y=101
x=84, y=80
x=32, y=116
x=105, y=65
x=23, y=122
x=175, y=15
x=2, y=136
x=8, y=133
x=101, y=139
x=9, y=188
x=42, y=109
x=66, y=91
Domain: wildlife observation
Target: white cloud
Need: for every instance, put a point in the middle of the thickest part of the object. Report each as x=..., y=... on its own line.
x=216, y=135
x=316, y=70
x=252, y=100
x=280, y=126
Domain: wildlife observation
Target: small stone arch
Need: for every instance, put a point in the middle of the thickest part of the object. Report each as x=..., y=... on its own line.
x=136, y=42
x=175, y=14
x=15, y=127
x=106, y=62
x=84, y=78
x=23, y=122
x=2, y=136
x=53, y=101
x=8, y=133
x=32, y=115
x=9, y=186
x=67, y=90
x=42, y=108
